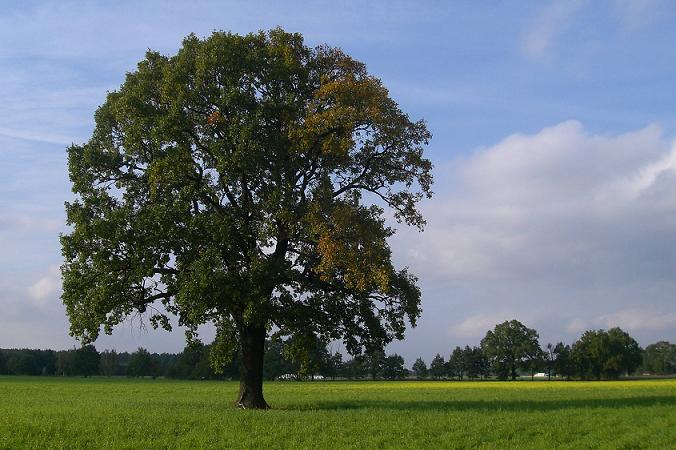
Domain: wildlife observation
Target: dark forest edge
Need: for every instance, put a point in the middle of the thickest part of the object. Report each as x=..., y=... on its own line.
x=509, y=351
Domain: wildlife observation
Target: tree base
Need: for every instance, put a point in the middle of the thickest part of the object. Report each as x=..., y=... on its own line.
x=248, y=401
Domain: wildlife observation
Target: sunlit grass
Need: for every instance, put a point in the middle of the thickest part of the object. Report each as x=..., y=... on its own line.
x=124, y=413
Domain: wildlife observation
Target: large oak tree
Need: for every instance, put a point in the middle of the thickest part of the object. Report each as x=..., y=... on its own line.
x=244, y=182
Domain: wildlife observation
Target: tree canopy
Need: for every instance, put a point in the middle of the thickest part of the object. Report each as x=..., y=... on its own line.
x=244, y=182
x=393, y=367
x=419, y=368
x=509, y=346
x=608, y=354
x=660, y=357
x=437, y=367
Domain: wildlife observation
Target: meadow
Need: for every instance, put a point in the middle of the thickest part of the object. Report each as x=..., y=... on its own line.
x=50, y=412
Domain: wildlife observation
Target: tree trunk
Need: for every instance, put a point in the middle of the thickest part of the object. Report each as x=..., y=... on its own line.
x=251, y=369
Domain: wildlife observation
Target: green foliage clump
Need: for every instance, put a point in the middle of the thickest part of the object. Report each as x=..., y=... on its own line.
x=606, y=354
x=510, y=346
x=660, y=358
x=419, y=368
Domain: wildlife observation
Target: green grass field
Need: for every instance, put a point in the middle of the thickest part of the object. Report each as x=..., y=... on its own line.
x=129, y=413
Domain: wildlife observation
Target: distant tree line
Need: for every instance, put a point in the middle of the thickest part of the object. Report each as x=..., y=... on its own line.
x=509, y=350
x=283, y=358
x=87, y=361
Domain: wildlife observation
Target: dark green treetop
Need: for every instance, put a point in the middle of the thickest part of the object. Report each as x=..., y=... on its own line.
x=509, y=346
x=437, y=367
x=606, y=354
x=660, y=357
x=419, y=368
x=393, y=367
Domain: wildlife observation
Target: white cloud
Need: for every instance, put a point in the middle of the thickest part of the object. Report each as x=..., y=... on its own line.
x=630, y=319
x=477, y=325
x=46, y=287
x=558, y=205
x=31, y=135
x=578, y=325
x=636, y=319
x=22, y=222
x=645, y=178
x=552, y=20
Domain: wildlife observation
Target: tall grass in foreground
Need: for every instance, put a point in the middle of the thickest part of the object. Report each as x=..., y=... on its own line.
x=130, y=413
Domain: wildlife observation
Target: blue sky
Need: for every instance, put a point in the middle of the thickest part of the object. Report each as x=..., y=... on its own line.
x=553, y=122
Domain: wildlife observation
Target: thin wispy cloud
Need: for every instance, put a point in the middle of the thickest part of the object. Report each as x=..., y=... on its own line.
x=630, y=319
x=36, y=136
x=636, y=14
x=636, y=319
x=476, y=326
x=552, y=21
x=46, y=288
x=25, y=223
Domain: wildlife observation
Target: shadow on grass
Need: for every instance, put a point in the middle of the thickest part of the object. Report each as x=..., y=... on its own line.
x=485, y=405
